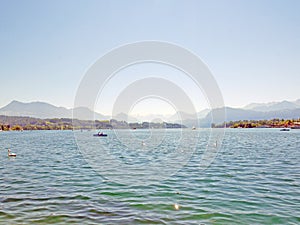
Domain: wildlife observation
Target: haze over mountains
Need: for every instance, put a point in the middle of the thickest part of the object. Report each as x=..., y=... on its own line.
x=44, y=110
x=273, y=106
x=253, y=111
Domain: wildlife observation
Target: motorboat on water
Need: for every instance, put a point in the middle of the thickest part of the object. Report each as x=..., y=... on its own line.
x=285, y=129
x=100, y=134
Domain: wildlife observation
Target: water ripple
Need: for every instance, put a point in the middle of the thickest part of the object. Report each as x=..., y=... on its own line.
x=254, y=180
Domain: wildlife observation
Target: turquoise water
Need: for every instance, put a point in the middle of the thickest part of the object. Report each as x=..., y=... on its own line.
x=255, y=179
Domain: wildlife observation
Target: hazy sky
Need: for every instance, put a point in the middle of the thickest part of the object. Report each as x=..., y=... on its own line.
x=251, y=47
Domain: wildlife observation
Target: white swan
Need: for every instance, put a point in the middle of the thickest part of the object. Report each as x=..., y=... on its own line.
x=216, y=144
x=11, y=154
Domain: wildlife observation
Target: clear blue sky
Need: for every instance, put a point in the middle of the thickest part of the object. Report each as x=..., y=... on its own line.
x=252, y=47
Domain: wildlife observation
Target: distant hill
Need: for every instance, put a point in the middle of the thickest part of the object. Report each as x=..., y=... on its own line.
x=273, y=106
x=254, y=111
x=203, y=113
x=124, y=117
x=44, y=110
x=235, y=114
x=183, y=115
x=83, y=113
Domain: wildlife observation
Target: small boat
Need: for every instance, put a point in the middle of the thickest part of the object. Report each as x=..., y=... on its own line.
x=193, y=128
x=295, y=127
x=10, y=154
x=285, y=129
x=100, y=134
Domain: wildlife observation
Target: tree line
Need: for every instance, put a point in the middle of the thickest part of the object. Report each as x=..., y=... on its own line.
x=19, y=123
x=273, y=123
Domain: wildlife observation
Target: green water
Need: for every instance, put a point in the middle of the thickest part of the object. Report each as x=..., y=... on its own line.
x=255, y=179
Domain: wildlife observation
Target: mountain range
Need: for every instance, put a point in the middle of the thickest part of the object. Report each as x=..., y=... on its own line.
x=253, y=111
x=273, y=106
x=44, y=110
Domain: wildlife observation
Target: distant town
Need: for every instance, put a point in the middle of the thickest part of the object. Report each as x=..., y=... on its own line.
x=19, y=123
x=274, y=123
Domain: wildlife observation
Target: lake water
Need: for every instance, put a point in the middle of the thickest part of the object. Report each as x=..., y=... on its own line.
x=255, y=178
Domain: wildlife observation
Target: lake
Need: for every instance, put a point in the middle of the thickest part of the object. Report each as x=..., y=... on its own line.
x=150, y=177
